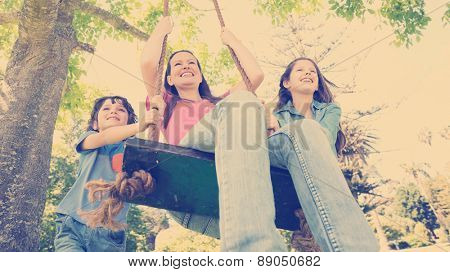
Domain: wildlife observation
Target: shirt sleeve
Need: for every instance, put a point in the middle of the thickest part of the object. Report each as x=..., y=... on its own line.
x=330, y=122
x=80, y=141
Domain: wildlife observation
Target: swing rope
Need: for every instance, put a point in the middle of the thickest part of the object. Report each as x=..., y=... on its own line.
x=244, y=76
x=163, y=54
x=153, y=130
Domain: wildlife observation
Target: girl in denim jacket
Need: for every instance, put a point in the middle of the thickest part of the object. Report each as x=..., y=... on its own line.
x=305, y=137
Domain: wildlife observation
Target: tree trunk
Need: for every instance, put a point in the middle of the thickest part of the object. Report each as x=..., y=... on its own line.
x=34, y=80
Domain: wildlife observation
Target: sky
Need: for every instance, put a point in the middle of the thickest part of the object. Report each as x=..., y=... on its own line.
x=412, y=84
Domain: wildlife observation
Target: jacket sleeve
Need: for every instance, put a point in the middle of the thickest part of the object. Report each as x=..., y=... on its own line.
x=330, y=122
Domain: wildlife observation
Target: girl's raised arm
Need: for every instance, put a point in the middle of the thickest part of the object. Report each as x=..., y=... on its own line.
x=119, y=133
x=152, y=53
x=246, y=59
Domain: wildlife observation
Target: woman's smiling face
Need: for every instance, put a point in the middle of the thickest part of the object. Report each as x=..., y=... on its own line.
x=184, y=71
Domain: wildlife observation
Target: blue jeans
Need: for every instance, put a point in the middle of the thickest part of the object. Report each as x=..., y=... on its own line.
x=73, y=236
x=235, y=131
x=333, y=215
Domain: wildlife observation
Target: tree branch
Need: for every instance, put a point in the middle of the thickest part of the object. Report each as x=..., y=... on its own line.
x=268, y=62
x=111, y=19
x=85, y=47
x=9, y=18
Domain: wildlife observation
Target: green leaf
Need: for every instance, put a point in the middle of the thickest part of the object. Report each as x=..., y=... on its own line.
x=279, y=10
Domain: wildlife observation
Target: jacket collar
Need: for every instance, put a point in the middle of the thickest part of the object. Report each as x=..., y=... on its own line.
x=289, y=106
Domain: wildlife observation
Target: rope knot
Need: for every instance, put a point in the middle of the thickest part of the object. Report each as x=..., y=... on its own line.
x=122, y=190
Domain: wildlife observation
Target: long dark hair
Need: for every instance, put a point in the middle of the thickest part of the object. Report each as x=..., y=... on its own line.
x=132, y=117
x=203, y=89
x=323, y=95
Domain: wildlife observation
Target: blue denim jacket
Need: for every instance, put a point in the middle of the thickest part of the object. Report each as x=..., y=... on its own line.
x=327, y=115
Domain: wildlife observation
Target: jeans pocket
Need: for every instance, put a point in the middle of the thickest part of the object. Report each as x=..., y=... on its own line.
x=60, y=218
x=117, y=237
x=181, y=218
x=60, y=221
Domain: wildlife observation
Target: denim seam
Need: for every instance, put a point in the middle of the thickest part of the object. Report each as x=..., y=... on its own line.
x=206, y=228
x=186, y=219
x=324, y=182
x=62, y=224
x=286, y=131
x=224, y=181
x=81, y=235
x=112, y=241
x=316, y=197
x=87, y=236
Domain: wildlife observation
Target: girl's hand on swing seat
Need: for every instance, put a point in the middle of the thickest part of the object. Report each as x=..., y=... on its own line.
x=164, y=26
x=227, y=37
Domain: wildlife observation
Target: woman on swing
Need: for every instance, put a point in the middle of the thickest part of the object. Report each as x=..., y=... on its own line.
x=194, y=118
x=233, y=127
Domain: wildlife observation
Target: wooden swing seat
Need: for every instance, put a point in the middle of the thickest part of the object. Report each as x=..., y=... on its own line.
x=186, y=181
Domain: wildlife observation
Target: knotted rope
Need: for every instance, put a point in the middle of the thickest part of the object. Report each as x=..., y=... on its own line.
x=153, y=130
x=122, y=190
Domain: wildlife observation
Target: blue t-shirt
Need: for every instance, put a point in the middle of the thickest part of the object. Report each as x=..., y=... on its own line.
x=100, y=163
x=327, y=115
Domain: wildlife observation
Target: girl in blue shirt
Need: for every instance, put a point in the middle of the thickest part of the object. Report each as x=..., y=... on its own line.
x=101, y=150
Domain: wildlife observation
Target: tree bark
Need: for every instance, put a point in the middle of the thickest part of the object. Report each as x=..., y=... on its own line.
x=30, y=95
x=31, y=92
x=9, y=18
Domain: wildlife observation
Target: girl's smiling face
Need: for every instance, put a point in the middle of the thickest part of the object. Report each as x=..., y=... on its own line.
x=303, y=78
x=111, y=114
